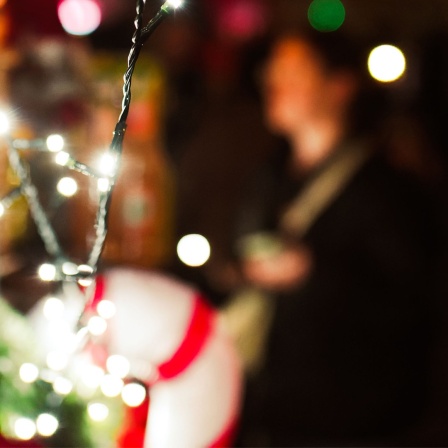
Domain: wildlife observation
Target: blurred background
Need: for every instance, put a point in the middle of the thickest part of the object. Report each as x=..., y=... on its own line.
x=196, y=129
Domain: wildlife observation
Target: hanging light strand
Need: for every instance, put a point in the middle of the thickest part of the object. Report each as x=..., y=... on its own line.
x=30, y=192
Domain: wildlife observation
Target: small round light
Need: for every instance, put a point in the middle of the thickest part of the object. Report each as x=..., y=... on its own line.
x=62, y=386
x=386, y=63
x=118, y=365
x=92, y=376
x=55, y=143
x=106, y=309
x=175, y=3
x=5, y=124
x=103, y=184
x=97, y=325
x=193, y=250
x=28, y=372
x=47, y=425
x=62, y=158
x=67, y=186
x=133, y=394
x=107, y=164
x=79, y=17
x=98, y=412
x=57, y=360
x=47, y=272
x=111, y=385
x=69, y=268
x=24, y=428
x=2, y=210
x=53, y=308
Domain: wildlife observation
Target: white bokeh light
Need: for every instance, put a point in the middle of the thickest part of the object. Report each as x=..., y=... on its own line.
x=5, y=124
x=62, y=386
x=47, y=425
x=193, y=250
x=67, y=186
x=97, y=325
x=79, y=17
x=133, y=394
x=53, y=308
x=57, y=360
x=386, y=63
x=106, y=309
x=62, y=158
x=111, y=385
x=47, y=272
x=175, y=3
x=28, y=372
x=24, y=428
x=98, y=412
x=55, y=143
x=118, y=365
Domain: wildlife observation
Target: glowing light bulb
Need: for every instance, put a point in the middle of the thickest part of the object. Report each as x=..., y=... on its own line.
x=133, y=394
x=47, y=272
x=57, y=360
x=67, y=186
x=193, y=250
x=118, y=365
x=174, y=3
x=111, y=385
x=103, y=184
x=62, y=158
x=53, y=308
x=62, y=386
x=106, y=309
x=47, y=425
x=79, y=17
x=97, y=325
x=5, y=124
x=28, y=372
x=69, y=268
x=24, y=428
x=98, y=412
x=92, y=376
x=107, y=164
x=2, y=210
x=386, y=63
x=55, y=143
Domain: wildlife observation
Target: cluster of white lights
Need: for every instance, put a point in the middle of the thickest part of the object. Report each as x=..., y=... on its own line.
x=25, y=428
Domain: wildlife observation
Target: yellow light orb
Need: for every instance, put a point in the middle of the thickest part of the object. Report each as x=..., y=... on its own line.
x=47, y=425
x=133, y=394
x=386, y=63
x=193, y=250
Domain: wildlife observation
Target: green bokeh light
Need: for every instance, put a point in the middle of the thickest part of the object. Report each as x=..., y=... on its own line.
x=326, y=15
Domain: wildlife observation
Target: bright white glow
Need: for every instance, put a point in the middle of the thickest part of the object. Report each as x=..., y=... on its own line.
x=111, y=385
x=386, y=63
x=62, y=386
x=53, y=308
x=47, y=272
x=67, y=186
x=55, y=142
x=47, y=425
x=106, y=309
x=57, y=360
x=2, y=210
x=62, y=158
x=69, y=268
x=175, y=3
x=28, y=372
x=193, y=250
x=79, y=17
x=133, y=394
x=92, y=376
x=4, y=123
x=107, y=164
x=24, y=428
x=97, y=325
x=87, y=270
x=103, y=185
x=98, y=412
x=118, y=365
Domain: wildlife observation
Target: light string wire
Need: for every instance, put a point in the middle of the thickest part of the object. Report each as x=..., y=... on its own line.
x=30, y=192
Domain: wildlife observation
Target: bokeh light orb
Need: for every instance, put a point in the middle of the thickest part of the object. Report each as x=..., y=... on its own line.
x=79, y=17
x=193, y=250
x=326, y=15
x=386, y=63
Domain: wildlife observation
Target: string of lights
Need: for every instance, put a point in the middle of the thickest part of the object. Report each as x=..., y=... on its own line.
x=62, y=269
